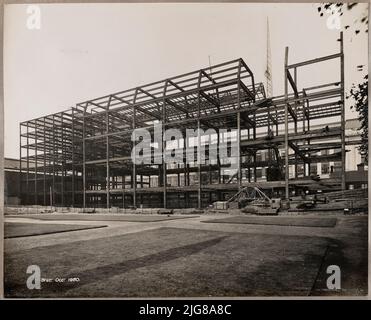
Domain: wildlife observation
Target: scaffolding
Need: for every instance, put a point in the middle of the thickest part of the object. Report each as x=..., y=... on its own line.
x=81, y=157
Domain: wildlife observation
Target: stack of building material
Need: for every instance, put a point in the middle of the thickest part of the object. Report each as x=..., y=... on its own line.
x=221, y=205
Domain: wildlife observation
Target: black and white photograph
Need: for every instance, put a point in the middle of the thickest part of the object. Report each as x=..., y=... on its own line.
x=185, y=150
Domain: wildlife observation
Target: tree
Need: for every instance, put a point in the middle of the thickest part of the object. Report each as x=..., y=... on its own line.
x=359, y=92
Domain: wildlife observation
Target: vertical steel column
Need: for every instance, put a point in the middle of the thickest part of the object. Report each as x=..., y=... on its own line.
x=53, y=182
x=239, y=172
x=270, y=132
x=134, y=173
x=84, y=158
x=304, y=109
x=123, y=191
x=35, y=168
x=28, y=167
x=63, y=161
x=20, y=164
x=343, y=155
x=164, y=173
x=218, y=156
x=255, y=175
x=308, y=125
x=44, y=156
x=73, y=159
x=199, y=204
x=107, y=156
x=296, y=127
x=254, y=136
x=164, y=179
x=186, y=164
x=199, y=163
x=249, y=170
x=49, y=166
x=286, y=127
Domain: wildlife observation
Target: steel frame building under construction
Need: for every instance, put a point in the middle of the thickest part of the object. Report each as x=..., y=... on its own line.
x=81, y=157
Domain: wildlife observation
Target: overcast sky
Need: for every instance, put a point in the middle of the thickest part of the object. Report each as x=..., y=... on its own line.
x=83, y=51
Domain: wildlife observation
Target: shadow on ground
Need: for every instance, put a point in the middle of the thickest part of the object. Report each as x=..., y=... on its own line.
x=170, y=262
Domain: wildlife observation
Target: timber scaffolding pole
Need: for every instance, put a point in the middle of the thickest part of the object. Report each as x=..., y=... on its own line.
x=83, y=156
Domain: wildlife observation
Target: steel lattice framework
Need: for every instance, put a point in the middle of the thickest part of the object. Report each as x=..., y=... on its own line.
x=82, y=156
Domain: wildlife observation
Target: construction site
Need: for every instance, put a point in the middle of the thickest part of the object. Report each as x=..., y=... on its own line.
x=238, y=173
x=81, y=157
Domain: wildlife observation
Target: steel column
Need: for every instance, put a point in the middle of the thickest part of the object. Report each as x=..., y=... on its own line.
x=286, y=127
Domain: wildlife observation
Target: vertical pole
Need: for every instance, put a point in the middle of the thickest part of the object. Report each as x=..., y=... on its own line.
x=249, y=170
x=107, y=156
x=83, y=159
x=163, y=146
x=308, y=126
x=218, y=158
x=286, y=128
x=239, y=172
x=164, y=179
x=269, y=134
x=53, y=182
x=255, y=152
x=20, y=163
x=134, y=173
x=50, y=197
x=186, y=164
x=199, y=141
x=107, y=174
x=296, y=127
x=304, y=108
x=28, y=167
x=44, y=156
x=123, y=191
x=49, y=163
x=35, y=167
x=2, y=177
x=255, y=172
x=73, y=159
x=63, y=162
x=254, y=135
x=343, y=155
x=199, y=163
